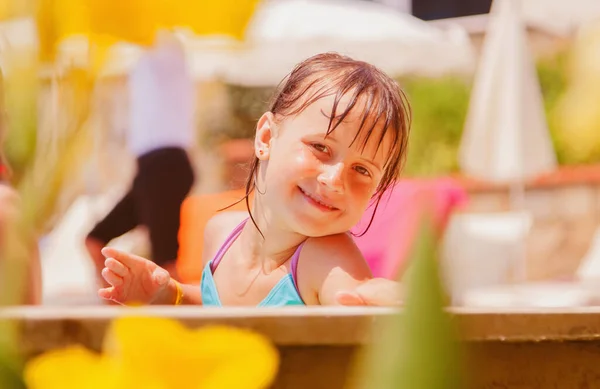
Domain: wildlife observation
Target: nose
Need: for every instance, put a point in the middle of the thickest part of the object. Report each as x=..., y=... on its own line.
x=332, y=177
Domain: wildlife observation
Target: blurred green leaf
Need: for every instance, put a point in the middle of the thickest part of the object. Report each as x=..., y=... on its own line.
x=419, y=348
x=10, y=372
x=20, y=100
x=46, y=173
x=439, y=108
x=10, y=363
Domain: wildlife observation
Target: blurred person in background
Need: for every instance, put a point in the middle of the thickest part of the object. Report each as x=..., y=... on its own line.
x=160, y=133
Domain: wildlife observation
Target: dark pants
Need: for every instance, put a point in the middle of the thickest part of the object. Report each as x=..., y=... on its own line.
x=163, y=180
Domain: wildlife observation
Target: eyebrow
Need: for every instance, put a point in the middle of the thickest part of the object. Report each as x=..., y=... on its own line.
x=332, y=137
x=328, y=116
x=371, y=162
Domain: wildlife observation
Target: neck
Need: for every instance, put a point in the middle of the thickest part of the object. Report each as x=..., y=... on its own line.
x=278, y=244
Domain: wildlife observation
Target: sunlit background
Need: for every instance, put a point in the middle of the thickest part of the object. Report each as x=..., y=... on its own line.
x=523, y=75
x=505, y=130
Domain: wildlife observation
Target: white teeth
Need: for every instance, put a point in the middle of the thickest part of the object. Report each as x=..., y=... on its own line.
x=317, y=200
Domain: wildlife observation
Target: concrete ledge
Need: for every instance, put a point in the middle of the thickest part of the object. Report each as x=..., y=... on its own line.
x=534, y=349
x=48, y=327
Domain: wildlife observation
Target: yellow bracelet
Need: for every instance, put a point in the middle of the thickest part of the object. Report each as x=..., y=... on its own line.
x=179, y=296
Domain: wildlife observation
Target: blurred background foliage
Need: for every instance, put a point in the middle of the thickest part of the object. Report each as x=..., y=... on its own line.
x=439, y=109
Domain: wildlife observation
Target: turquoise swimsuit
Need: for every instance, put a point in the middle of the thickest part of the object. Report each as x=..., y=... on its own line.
x=284, y=293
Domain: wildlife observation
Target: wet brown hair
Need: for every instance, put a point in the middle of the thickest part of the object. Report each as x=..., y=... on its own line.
x=379, y=98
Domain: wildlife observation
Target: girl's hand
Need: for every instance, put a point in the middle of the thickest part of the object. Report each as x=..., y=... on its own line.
x=374, y=292
x=133, y=279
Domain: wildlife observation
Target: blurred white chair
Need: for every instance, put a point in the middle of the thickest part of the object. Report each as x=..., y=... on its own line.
x=583, y=291
x=483, y=250
x=550, y=294
x=589, y=268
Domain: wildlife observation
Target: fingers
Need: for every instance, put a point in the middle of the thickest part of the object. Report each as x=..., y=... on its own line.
x=113, y=273
x=380, y=299
x=116, y=267
x=380, y=292
x=375, y=292
x=109, y=294
x=126, y=259
x=111, y=277
x=106, y=293
x=349, y=299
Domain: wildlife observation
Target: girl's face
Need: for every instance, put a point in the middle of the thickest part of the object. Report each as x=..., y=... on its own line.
x=313, y=183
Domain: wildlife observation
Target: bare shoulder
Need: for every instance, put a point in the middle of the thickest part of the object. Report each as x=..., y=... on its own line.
x=336, y=250
x=217, y=229
x=226, y=220
x=330, y=256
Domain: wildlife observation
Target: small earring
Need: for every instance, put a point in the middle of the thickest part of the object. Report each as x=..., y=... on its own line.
x=260, y=152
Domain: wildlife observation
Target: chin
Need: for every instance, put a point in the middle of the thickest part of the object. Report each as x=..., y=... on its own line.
x=316, y=227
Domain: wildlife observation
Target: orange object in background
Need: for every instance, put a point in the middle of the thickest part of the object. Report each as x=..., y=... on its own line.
x=196, y=211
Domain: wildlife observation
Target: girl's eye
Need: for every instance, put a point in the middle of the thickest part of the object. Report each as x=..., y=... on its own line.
x=320, y=148
x=362, y=170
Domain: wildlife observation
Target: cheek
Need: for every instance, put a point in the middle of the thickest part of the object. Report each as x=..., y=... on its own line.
x=293, y=165
x=362, y=186
x=303, y=162
x=361, y=193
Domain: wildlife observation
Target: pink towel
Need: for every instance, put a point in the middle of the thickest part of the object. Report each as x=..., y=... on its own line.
x=387, y=243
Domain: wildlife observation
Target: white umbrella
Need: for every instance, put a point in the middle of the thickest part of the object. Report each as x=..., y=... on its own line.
x=506, y=136
x=285, y=32
x=560, y=16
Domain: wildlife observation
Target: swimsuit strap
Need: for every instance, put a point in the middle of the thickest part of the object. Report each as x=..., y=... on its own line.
x=294, y=264
x=233, y=236
x=228, y=242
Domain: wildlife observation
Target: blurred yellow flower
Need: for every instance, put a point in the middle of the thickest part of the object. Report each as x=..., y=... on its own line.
x=5, y=11
x=158, y=353
x=136, y=21
x=210, y=17
x=86, y=369
x=14, y=8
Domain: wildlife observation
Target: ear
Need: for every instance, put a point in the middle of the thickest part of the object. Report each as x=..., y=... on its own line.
x=265, y=132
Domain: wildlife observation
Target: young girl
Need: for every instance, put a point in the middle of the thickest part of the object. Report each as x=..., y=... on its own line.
x=332, y=142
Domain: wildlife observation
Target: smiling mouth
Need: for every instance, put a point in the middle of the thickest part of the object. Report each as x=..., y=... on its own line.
x=317, y=201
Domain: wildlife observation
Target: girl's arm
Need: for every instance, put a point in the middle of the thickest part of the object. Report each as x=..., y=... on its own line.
x=191, y=294
x=332, y=271
x=136, y=280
